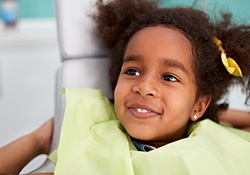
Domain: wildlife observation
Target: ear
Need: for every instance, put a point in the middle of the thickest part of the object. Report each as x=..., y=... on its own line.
x=200, y=107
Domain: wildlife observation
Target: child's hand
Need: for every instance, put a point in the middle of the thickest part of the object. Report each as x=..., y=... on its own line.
x=43, y=136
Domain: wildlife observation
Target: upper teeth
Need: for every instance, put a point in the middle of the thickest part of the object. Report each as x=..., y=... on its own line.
x=142, y=110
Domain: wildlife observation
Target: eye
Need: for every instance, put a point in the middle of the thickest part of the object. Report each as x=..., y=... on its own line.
x=132, y=72
x=168, y=77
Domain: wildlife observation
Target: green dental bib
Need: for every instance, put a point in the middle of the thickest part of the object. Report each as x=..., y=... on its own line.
x=93, y=142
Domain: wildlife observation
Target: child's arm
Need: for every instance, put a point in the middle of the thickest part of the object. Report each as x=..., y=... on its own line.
x=15, y=155
x=239, y=119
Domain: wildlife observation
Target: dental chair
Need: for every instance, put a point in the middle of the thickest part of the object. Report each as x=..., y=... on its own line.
x=84, y=59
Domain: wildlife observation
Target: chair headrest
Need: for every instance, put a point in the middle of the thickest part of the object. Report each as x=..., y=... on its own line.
x=77, y=31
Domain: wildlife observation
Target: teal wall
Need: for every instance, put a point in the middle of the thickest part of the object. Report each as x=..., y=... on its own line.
x=239, y=8
x=35, y=8
x=45, y=8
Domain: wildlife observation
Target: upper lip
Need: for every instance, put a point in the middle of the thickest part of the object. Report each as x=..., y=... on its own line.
x=144, y=106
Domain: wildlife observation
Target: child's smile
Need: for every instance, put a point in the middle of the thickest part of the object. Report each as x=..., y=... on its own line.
x=155, y=96
x=143, y=110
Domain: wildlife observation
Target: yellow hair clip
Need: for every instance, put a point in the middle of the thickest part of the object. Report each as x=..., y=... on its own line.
x=229, y=63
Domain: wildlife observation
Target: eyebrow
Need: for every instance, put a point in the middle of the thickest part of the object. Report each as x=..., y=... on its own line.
x=167, y=62
x=175, y=64
x=132, y=58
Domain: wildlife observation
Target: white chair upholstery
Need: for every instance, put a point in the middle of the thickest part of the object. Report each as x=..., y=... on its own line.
x=84, y=59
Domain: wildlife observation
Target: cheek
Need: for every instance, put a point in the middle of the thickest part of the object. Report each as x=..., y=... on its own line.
x=118, y=96
x=121, y=94
x=181, y=101
x=117, y=91
x=121, y=89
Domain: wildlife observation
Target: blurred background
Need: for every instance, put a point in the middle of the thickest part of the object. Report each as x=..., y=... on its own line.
x=29, y=58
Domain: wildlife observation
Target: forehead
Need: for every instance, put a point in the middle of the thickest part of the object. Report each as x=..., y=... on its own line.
x=161, y=37
x=161, y=42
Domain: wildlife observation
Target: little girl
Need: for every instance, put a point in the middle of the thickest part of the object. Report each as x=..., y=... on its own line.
x=170, y=68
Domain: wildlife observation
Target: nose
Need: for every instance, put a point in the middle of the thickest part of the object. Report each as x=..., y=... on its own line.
x=146, y=87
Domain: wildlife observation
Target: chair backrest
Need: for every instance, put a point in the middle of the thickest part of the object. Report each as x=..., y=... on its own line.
x=84, y=58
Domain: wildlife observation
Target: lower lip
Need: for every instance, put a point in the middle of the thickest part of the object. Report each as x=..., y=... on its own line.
x=140, y=115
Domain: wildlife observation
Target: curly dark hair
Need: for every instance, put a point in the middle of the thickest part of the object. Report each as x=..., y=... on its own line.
x=119, y=20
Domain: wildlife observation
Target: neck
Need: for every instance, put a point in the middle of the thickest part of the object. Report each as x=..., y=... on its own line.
x=159, y=143
x=155, y=144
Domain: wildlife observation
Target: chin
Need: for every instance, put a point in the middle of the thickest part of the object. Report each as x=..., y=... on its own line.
x=142, y=136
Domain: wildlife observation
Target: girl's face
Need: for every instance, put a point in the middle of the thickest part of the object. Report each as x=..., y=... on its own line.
x=155, y=96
